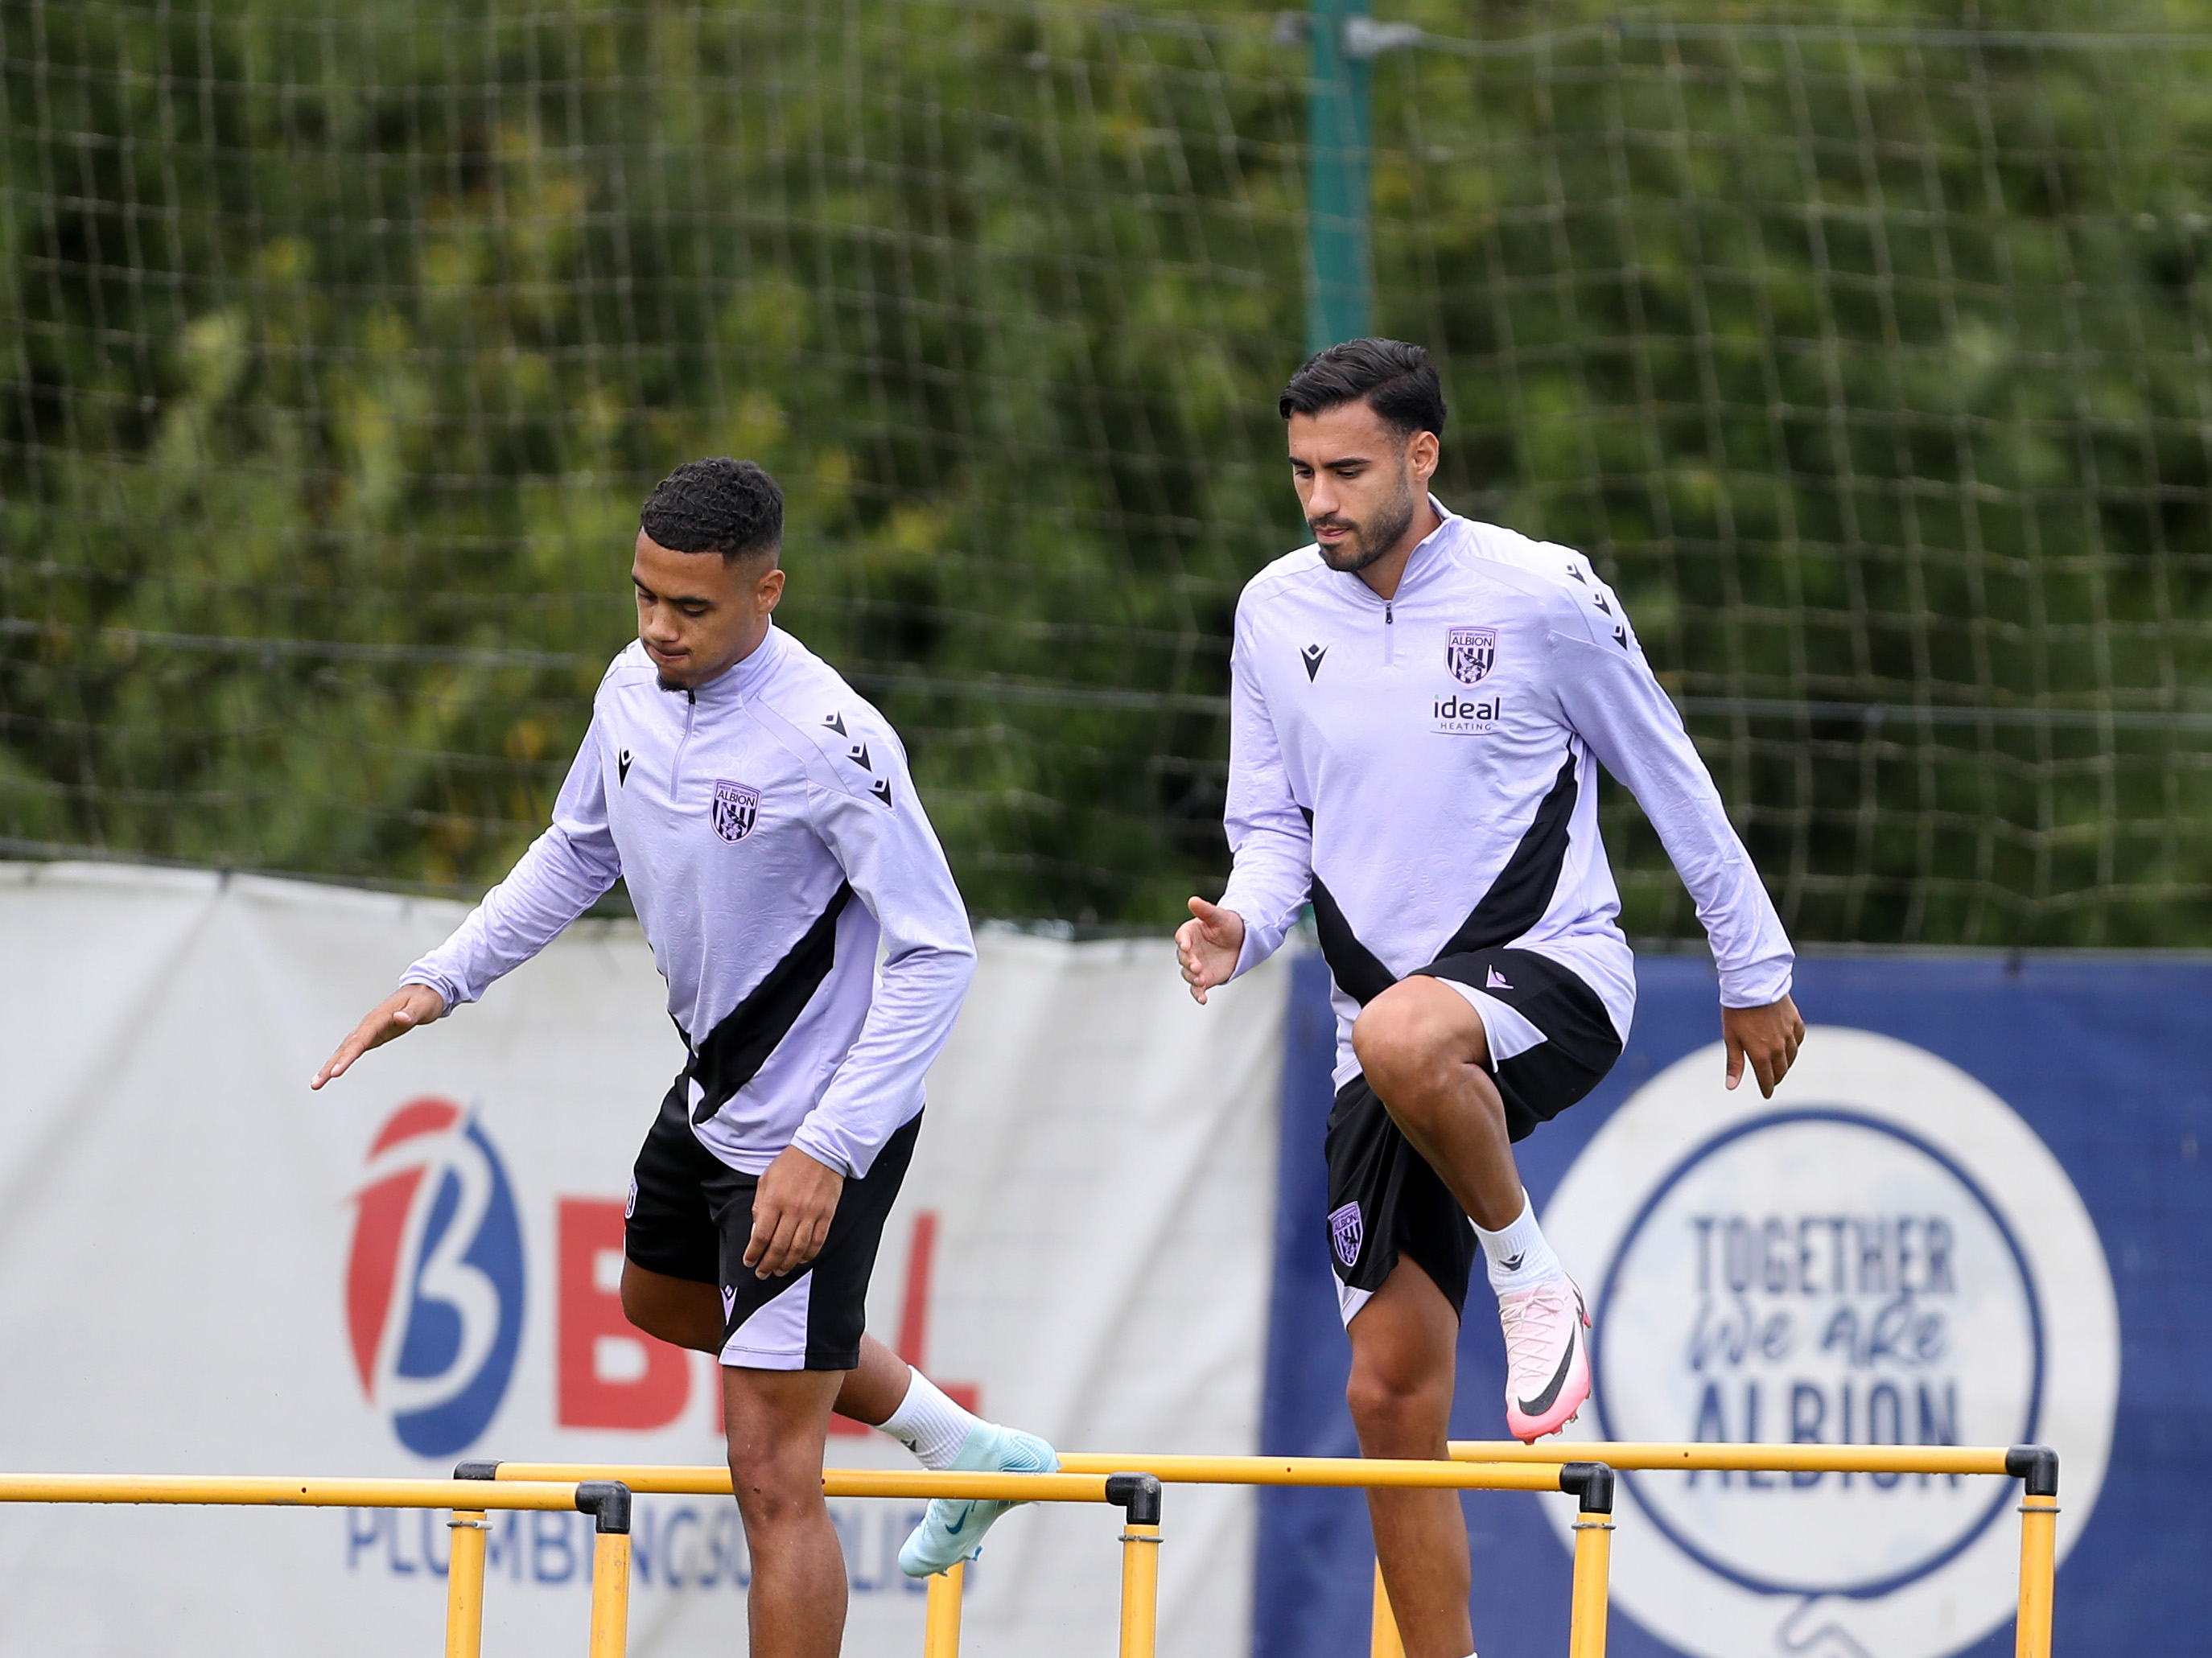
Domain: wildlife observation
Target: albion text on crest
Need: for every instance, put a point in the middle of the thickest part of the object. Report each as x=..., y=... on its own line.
x=1345, y=1231
x=1471, y=652
x=737, y=808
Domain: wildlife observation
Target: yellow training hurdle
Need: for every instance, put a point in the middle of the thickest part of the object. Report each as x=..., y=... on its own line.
x=2036, y=1466
x=1130, y=1483
x=606, y=1500
x=1133, y=1483
x=1584, y=1469
x=1136, y=1494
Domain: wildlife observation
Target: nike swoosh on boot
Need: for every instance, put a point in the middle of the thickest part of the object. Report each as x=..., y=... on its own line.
x=1542, y=1402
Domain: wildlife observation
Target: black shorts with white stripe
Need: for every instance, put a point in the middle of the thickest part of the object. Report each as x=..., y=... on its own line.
x=690, y=1215
x=1574, y=1044
x=1384, y=1200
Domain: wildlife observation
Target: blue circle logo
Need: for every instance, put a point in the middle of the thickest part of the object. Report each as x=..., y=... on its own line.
x=1882, y=1254
x=1832, y=1278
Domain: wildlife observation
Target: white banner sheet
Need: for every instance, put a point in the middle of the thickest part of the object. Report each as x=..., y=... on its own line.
x=205, y=1269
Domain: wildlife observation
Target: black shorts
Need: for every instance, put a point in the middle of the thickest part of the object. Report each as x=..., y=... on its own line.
x=1384, y=1200
x=690, y=1215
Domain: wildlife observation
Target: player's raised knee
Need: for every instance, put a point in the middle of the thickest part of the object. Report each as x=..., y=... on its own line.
x=1413, y=1035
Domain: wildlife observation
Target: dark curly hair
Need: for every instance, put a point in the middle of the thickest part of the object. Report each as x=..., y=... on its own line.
x=1396, y=380
x=727, y=507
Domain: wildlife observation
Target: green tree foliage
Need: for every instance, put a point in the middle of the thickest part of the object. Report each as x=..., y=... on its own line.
x=1873, y=363
x=338, y=345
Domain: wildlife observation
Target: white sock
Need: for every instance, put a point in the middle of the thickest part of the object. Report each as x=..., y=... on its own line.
x=1518, y=1258
x=928, y=1424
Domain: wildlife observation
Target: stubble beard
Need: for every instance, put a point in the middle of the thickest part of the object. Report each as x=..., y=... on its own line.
x=1369, y=542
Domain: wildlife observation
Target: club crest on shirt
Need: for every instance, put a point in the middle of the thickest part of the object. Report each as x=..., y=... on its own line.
x=736, y=809
x=1470, y=653
x=1345, y=1231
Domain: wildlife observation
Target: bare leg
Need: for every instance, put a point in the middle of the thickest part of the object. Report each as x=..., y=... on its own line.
x=1422, y=1048
x=1403, y=1342
x=778, y=1420
x=678, y=1310
x=877, y=1387
x=687, y=1314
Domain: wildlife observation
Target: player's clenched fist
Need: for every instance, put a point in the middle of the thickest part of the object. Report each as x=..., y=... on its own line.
x=793, y=1204
x=1207, y=946
x=1768, y=1037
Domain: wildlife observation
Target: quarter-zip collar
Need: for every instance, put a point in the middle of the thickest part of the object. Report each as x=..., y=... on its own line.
x=1425, y=564
x=743, y=678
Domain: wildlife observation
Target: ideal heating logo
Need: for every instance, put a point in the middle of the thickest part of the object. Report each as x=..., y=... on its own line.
x=1460, y=716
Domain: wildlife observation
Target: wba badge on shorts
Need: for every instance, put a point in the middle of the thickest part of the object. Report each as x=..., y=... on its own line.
x=1471, y=652
x=1345, y=1231
x=736, y=809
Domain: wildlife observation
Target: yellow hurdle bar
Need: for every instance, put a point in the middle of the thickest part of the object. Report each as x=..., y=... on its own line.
x=609, y=1595
x=2035, y=1466
x=1593, y=1570
x=267, y=1492
x=923, y=1483
x=1140, y=1589
x=1592, y=1483
x=608, y=1502
x=1328, y=1470
x=1092, y=1477
x=1078, y=1480
x=1132, y=1489
x=676, y=1481
x=940, y=1637
x=1383, y=1640
x=464, y=1576
x=2038, y=1469
x=2038, y=1534
x=1138, y=1497
x=469, y=1499
x=1803, y=1459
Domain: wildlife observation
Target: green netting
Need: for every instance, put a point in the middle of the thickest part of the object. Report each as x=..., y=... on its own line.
x=1868, y=357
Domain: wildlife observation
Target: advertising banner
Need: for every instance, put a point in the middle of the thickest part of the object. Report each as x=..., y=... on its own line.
x=1973, y=1214
x=205, y=1269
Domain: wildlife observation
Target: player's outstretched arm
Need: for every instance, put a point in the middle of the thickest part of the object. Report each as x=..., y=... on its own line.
x=1207, y=946
x=1768, y=1037
x=395, y=1016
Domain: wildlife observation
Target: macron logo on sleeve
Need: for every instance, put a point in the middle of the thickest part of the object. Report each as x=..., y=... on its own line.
x=1311, y=656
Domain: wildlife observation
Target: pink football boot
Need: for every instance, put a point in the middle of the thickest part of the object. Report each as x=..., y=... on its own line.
x=1548, y=1375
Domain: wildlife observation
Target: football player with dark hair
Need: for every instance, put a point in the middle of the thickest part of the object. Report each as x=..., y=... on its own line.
x=1419, y=704
x=762, y=814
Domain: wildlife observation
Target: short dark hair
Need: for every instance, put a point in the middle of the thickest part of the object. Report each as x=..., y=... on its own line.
x=727, y=507
x=1396, y=380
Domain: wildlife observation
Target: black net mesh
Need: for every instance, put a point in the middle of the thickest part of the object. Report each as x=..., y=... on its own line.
x=338, y=346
